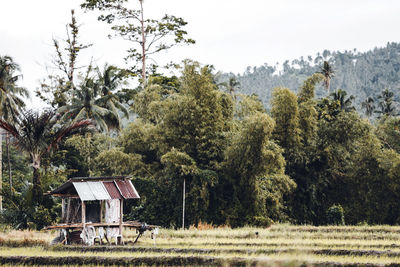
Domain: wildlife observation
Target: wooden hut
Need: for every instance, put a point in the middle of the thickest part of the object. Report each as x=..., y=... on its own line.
x=92, y=208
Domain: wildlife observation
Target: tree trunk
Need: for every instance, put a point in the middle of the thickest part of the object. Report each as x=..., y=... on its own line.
x=37, y=188
x=9, y=161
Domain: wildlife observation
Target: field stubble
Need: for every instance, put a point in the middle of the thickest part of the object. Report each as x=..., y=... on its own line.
x=279, y=245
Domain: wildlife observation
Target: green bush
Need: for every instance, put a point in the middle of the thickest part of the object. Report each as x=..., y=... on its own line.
x=42, y=217
x=261, y=221
x=335, y=215
x=21, y=213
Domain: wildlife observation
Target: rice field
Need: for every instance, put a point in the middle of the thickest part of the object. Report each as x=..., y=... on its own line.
x=279, y=245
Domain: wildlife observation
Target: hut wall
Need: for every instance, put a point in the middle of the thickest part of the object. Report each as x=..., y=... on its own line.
x=112, y=211
x=72, y=208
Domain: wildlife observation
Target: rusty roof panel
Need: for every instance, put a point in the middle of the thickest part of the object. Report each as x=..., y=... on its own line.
x=91, y=191
x=112, y=190
x=126, y=189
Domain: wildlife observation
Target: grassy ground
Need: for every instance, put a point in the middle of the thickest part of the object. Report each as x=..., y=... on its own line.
x=279, y=245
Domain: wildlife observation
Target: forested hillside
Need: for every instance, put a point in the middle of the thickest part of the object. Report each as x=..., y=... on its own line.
x=359, y=74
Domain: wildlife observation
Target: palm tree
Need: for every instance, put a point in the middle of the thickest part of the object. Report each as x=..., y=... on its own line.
x=109, y=81
x=95, y=100
x=232, y=86
x=328, y=73
x=344, y=104
x=38, y=134
x=10, y=94
x=10, y=102
x=386, y=103
x=369, y=106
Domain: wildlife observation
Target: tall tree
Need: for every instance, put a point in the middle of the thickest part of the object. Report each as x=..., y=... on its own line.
x=344, y=103
x=307, y=112
x=148, y=36
x=96, y=100
x=38, y=134
x=328, y=73
x=285, y=112
x=369, y=106
x=386, y=105
x=11, y=102
x=255, y=167
x=59, y=86
x=232, y=86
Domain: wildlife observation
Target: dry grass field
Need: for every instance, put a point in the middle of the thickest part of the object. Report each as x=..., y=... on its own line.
x=279, y=245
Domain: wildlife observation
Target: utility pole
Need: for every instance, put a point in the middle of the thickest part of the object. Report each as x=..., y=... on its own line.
x=183, y=206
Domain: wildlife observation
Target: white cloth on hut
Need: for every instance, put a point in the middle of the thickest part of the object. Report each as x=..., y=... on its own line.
x=112, y=216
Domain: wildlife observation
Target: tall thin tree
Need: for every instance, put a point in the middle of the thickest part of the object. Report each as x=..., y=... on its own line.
x=328, y=73
x=369, y=106
x=11, y=103
x=148, y=36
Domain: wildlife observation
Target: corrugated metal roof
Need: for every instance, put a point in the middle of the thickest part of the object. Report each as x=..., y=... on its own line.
x=91, y=191
x=112, y=190
x=99, y=178
x=126, y=189
x=63, y=189
x=99, y=190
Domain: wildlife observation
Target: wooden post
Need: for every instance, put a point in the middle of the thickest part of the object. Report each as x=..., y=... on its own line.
x=63, y=210
x=121, y=215
x=83, y=214
x=68, y=210
x=101, y=210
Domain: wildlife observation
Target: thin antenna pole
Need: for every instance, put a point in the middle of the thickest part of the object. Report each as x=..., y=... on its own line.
x=183, y=206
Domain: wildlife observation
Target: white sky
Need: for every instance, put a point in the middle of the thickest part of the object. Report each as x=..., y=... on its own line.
x=230, y=34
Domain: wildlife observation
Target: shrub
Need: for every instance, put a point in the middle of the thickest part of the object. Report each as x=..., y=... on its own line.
x=42, y=217
x=261, y=221
x=335, y=215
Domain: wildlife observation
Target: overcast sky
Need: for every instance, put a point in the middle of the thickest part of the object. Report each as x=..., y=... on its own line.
x=230, y=34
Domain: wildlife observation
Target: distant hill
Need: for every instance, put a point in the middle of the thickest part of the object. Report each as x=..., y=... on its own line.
x=360, y=74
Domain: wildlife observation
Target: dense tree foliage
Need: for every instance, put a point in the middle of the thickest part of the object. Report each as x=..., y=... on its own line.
x=190, y=133
x=297, y=152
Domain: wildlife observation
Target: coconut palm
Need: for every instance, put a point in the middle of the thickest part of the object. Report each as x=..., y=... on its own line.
x=94, y=99
x=386, y=104
x=232, y=86
x=109, y=80
x=369, y=106
x=10, y=101
x=38, y=134
x=344, y=103
x=10, y=94
x=328, y=73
